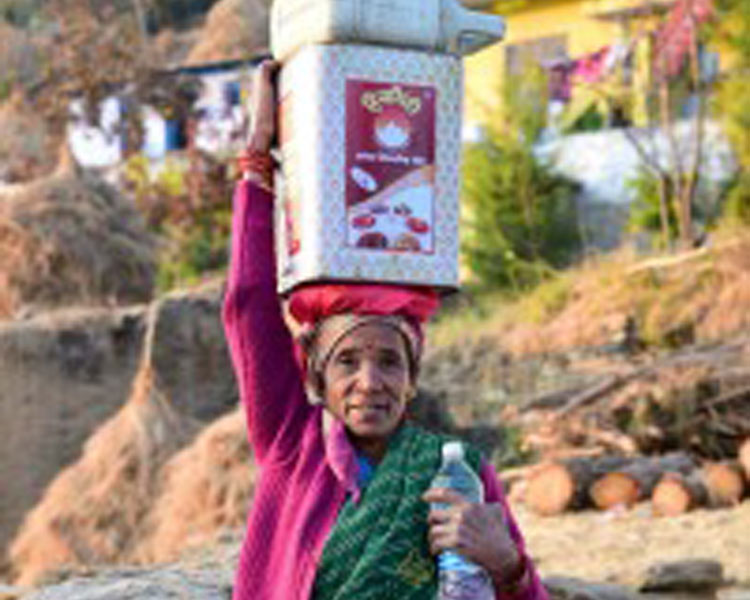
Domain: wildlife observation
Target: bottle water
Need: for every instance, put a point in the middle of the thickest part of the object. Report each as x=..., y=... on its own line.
x=459, y=578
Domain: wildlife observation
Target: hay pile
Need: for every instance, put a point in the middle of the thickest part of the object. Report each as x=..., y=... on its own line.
x=20, y=55
x=234, y=29
x=71, y=238
x=26, y=143
x=207, y=489
x=94, y=511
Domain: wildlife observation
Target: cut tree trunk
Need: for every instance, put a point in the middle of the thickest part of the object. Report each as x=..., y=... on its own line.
x=744, y=458
x=636, y=480
x=724, y=481
x=715, y=485
x=676, y=494
x=564, y=485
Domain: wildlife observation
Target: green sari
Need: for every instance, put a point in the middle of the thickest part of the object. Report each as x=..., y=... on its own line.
x=378, y=549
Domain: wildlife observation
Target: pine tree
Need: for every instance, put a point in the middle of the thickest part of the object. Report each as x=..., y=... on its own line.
x=520, y=219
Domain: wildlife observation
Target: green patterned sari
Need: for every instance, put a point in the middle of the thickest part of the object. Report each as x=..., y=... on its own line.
x=378, y=548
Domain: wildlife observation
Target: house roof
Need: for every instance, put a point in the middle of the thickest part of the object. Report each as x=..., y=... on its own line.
x=216, y=66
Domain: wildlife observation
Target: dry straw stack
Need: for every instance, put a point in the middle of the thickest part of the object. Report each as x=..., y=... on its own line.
x=234, y=29
x=94, y=511
x=70, y=238
x=207, y=488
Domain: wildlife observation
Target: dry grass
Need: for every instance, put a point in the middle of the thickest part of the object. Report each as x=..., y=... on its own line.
x=692, y=297
x=234, y=29
x=94, y=511
x=70, y=238
x=207, y=489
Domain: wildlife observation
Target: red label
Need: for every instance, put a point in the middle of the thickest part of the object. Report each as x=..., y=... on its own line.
x=390, y=166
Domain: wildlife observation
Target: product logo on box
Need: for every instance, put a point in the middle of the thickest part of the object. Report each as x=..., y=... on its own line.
x=390, y=166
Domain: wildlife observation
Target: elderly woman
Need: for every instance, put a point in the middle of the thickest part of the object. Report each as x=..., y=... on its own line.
x=341, y=507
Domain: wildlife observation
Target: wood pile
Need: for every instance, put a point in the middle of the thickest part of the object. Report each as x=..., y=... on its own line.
x=673, y=430
x=674, y=483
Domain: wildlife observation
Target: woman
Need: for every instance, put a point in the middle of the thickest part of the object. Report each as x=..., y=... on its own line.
x=341, y=507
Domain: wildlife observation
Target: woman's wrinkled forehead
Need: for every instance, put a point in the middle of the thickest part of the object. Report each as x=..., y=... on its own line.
x=331, y=332
x=370, y=337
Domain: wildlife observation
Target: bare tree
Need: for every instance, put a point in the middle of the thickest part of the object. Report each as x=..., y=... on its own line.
x=678, y=177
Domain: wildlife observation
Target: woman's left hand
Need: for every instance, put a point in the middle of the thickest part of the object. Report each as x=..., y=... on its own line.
x=476, y=531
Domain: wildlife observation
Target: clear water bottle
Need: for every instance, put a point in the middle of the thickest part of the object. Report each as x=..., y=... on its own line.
x=459, y=578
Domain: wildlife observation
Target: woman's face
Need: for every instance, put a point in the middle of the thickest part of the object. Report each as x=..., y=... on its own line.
x=367, y=381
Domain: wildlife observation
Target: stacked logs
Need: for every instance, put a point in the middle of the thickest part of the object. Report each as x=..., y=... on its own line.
x=675, y=483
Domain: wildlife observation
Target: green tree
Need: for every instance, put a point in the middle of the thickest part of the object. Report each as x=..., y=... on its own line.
x=733, y=31
x=520, y=218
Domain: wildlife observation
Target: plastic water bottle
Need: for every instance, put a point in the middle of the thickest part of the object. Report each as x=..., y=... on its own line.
x=458, y=577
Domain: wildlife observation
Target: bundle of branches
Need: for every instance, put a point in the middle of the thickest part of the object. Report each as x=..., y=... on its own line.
x=207, y=488
x=70, y=238
x=697, y=401
x=93, y=512
x=234, y=29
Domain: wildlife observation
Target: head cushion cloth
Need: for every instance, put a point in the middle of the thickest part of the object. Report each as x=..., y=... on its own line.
x=310, y=304
x=328, y=312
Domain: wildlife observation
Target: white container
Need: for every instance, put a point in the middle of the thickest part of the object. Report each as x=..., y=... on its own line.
x=435, y=25
x=370, y=145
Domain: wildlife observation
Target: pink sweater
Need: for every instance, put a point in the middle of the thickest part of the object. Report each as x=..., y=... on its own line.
x=307, y=468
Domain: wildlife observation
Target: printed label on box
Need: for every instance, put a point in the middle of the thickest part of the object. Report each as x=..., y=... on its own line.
x=390, y=166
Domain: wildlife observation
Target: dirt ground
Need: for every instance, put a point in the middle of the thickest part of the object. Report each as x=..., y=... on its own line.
x=619, y=547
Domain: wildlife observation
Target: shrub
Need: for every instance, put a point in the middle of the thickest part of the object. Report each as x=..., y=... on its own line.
x=520, y=216
x=189, y=207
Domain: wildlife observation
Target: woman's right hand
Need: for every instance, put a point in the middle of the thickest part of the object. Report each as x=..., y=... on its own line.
x=263, y=107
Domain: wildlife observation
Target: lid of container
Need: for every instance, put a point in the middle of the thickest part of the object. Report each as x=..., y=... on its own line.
x=453, y=451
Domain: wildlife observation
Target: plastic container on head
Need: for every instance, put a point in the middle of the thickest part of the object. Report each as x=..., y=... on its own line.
x=435, y=25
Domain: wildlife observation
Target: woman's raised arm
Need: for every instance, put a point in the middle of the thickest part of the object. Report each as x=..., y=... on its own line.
x=262, y=349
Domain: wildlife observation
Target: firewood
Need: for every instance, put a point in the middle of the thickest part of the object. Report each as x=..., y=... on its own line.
x=744, y=458
x=615, y=489
x=636, y=480
x=676, y=494
x=724, y=481
x=562, y=485
x=591, y=394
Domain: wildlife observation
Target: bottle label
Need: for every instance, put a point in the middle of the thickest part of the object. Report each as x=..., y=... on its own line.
x=390, y=166
x=452, y=561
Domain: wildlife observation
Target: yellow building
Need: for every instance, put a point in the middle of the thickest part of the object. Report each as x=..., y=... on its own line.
x=560, y=31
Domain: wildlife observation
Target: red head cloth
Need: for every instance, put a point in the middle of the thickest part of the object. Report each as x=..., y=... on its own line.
x=312, y=303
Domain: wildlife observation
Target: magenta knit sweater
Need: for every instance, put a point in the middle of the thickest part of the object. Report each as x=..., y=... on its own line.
x=306, y=467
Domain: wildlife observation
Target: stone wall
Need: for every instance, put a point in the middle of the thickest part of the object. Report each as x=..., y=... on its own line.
x=603, y=162
x=62, y=374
